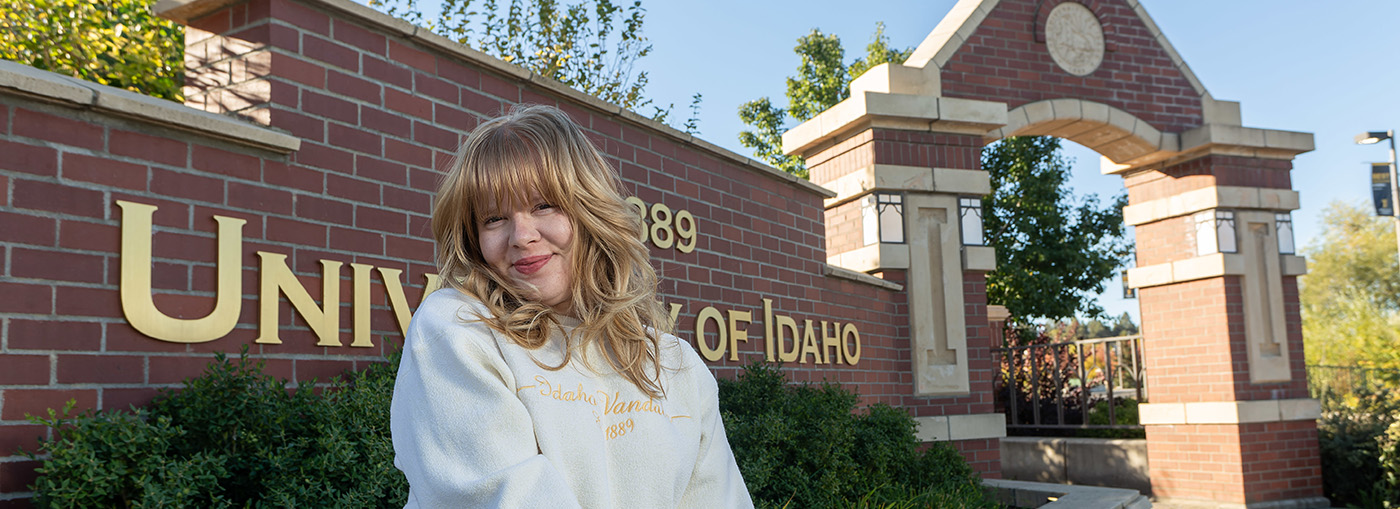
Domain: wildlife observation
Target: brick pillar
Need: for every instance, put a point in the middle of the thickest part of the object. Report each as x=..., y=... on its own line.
x=1229, y=421
x=900, y=171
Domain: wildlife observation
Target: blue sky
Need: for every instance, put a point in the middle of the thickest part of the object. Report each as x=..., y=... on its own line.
x=1328, y=68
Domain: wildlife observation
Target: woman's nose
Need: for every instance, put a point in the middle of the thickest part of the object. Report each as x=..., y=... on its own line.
x=524, y=230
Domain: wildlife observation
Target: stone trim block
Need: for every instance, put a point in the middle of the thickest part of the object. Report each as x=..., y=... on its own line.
x=1115, y=133
x=1229, y=412
x=1067, y=496
x=24, y=80
x=896, y=178
x=1224, y=197
x=979, y=258
x=894, y=111
x=1203, y=267
x=893, y=78
x=860, y=277
x=1247, y=141
x=942, y=428
x=876, y=257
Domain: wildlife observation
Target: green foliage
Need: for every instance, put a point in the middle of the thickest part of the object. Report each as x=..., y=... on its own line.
x=766, y=138
x=114, y=458
x=1359, y=438
x=592, y=45
x=1351, y=295
x=235, y=437
x=1052, y=255
x=120, y=43
x=232, y=437
x=822, y=81
x=806, y=446
x=1073, y=328
x=1125, y=413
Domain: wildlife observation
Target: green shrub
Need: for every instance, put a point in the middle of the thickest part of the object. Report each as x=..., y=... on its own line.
x=806, y=446
x=235, y=437
x=232, y=437
x=1359, y=438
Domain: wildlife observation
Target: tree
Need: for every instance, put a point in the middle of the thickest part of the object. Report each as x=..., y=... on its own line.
x=1124, y=326
x=120, y=43
x=1349, y=299
x=822, y=81
x=1052, y=256
x=592, y=46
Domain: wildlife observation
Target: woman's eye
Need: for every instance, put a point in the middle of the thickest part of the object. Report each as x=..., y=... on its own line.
x=543, y=206
x=492, y=220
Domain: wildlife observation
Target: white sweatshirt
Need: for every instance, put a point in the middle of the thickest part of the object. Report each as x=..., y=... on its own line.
x=477, y=423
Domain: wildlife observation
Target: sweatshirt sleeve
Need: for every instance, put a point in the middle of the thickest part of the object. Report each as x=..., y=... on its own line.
x=716, y=481
x=461, y=436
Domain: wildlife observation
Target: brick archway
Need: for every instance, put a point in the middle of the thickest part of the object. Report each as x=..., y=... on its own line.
x=1230, y=422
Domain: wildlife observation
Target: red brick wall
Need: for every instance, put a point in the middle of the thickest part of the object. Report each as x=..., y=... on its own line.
x=984, y=456
x=1195, y=330
x=1006, y=60
x=378, y=116
x=1236, y=463
x=892, y=146
x=845, y=231
x=1281, y=460
x=1207, y=171
x=1185, y=326
x=1199, y=461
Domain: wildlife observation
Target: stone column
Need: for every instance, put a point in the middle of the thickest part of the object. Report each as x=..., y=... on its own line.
x=1229, y=421
x=902, y=164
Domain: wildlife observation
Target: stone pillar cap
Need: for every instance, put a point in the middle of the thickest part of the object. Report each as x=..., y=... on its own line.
x=866, y=109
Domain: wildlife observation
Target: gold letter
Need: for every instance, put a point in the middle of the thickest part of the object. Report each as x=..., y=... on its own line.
x=735, y=333
x=768, y=329
x=850, y=330
x=360, y=308
x=809, y=345
x=832, y=342
x=675, y=313
x=785, y=323
x=397, y=301
x=139, y=306
x=275, y=277
x=710, y=354
x=434, y=282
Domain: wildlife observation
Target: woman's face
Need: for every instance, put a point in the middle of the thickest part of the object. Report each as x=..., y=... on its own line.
x=531, y=246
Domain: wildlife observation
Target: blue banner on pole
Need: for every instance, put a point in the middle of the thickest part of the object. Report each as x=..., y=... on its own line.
x=1380, y=189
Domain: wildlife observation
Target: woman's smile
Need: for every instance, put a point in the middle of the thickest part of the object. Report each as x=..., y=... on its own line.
x=530, y=245
x=532, y=264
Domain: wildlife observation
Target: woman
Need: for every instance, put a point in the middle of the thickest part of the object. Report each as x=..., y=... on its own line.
x=538, y=376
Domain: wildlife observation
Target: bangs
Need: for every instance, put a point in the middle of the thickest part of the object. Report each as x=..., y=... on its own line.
x=504, y=169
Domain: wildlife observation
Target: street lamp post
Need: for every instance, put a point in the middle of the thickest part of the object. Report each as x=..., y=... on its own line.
x=1373, y=137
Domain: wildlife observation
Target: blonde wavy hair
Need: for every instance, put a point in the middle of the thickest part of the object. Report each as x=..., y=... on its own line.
x=614, y=285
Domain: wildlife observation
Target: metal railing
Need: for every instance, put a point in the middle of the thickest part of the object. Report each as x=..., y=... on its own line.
x=1058, y=385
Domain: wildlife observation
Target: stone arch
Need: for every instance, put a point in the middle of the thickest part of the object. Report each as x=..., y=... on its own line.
x=1118, y=135
x=1209, y=198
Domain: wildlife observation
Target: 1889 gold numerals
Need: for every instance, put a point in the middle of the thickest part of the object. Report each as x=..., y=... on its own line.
x=619, y=429
x=666, y=229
